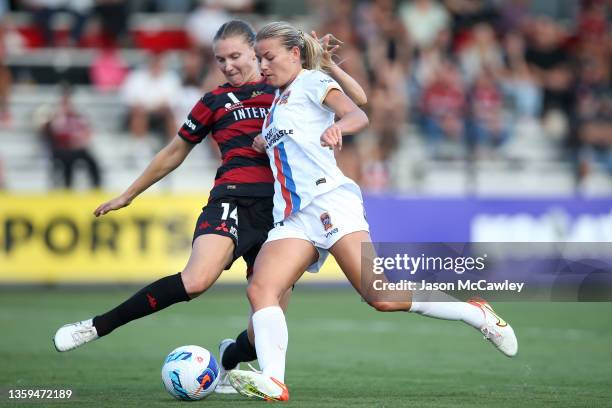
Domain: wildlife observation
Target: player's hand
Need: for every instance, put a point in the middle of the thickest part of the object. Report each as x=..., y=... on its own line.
x=332, y=137
x=259, y=144
x=330, y=45
x=112, y=205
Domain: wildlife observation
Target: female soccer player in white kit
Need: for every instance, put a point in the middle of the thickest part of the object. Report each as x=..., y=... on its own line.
x=317, y=210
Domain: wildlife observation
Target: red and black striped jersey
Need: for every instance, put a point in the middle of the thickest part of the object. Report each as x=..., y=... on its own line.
x=234, y=116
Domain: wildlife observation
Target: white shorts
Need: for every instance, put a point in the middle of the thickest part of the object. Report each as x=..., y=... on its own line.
x=324, y=221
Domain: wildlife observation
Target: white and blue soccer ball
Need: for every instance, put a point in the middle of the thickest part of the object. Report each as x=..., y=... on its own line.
x=190, y=373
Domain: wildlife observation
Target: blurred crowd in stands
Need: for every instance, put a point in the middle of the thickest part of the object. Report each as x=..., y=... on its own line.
x=463, y=75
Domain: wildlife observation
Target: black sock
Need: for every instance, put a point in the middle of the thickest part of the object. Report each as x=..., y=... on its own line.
x=240, y=351
x=150, y=299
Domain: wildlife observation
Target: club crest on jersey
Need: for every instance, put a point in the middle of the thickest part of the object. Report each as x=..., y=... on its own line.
x=255, y=94
x=285, y=98
x=326, y=221
x=270, y=116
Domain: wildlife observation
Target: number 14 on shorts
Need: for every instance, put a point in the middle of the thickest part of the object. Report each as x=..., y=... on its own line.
x=226, y=212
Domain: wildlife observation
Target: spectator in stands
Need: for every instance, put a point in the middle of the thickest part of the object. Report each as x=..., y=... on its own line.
x=424, y=19
x=428, y=61
x=517, y=80
x=202, y=24
x=594, y=31
x=562, y=11
x=388, y=111
x=338, y=21
x=488, y=124
x=11, y=43
x=443, y=108
x=68, y=136
x=595, y=116
x=192, y=80
x=172, y=6
x=149, y=93
x=482, y=49
x=468, y=13
x=108, y=69
x=44, y=11
x=192, y=89
x=551, y=65
x=376, y=172
x=388, y=58
x=6, y=79
x=592, y=25
x=389, y=47
x=514, y=15
x=113, y=15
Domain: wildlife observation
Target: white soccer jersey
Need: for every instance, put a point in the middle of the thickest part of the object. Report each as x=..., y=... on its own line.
x=302, y=168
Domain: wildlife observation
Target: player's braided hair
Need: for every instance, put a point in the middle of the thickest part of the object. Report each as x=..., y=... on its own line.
x=236, y=28
x=311, y=50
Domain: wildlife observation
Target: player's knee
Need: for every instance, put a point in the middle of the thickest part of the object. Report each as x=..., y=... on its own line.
x=261, y=294
x=384, y=306
x=195, y=283
x=254, y=291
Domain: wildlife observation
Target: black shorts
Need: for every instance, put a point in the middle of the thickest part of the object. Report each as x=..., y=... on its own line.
x=245, y=220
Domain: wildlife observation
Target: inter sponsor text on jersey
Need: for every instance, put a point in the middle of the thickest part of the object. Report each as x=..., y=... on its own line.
x=302, y=168
x=234, y=116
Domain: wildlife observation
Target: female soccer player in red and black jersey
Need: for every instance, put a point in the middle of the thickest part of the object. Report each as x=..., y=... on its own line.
x=233, y=114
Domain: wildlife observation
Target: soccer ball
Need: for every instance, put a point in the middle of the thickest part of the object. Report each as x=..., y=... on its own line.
x=190, y=373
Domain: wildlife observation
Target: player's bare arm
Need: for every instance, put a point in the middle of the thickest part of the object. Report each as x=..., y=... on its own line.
x=164, y=162
x=352, y=119
x=352, y=88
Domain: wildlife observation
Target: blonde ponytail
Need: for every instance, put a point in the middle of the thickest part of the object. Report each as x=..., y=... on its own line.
x=312, y=54
x=311, y=50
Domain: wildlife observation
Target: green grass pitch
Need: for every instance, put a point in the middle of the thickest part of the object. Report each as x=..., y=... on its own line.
x=341, y=353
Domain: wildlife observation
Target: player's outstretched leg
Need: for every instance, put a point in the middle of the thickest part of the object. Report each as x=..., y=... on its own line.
x=439, y=305
x=476, y=313
x=150, y=299
x=210, y=254
x=496, y=330
x=73, y=335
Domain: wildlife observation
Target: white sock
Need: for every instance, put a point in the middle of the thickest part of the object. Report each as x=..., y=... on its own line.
x=271, y=339
x=442, y=306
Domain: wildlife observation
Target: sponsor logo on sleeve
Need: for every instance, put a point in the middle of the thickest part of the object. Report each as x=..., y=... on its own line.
x=190, y=124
